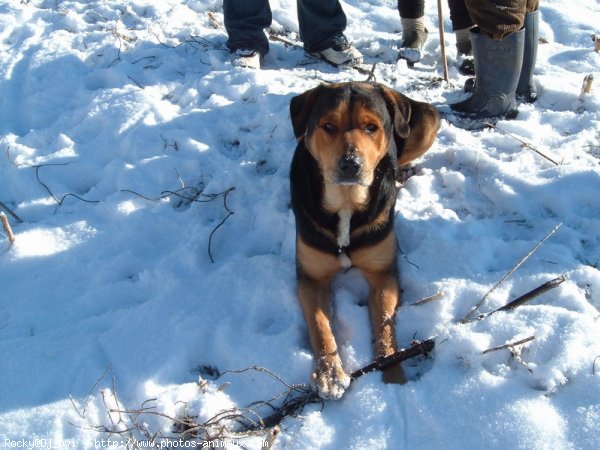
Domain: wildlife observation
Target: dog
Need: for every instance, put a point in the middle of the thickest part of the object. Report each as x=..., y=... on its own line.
x=352, y=138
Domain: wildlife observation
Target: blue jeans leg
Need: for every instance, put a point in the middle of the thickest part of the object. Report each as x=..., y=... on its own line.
x=319, y=21
x=245, y=21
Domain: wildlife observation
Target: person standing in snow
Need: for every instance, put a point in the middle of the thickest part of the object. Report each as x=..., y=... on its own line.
x=414, y=33
x=321, y=22
x=504, y=44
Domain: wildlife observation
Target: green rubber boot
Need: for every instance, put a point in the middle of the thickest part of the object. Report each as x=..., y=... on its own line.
x=497, y=71
x=526, y=89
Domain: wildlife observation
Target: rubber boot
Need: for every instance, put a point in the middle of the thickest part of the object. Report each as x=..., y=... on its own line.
x=526, y=89
x=497, y=70
x=414, y=35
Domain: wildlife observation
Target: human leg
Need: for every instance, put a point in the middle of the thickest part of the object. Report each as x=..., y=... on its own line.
x=414, y=32
x=245, y=21
x=322, y=24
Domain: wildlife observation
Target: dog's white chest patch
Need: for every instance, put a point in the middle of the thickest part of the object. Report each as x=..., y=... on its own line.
x=345, y=262
x=343, y=234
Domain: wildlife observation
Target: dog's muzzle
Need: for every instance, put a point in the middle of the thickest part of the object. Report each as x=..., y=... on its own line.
x=350, y=166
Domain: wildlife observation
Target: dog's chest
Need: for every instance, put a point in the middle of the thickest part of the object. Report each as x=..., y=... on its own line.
x=343, y=238
x=343, y=229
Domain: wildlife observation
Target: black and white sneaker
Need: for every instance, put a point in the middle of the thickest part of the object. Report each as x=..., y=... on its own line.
x=341, y=52
x=247, y=58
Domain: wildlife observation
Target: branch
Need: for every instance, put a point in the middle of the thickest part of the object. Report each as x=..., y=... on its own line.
x=509, y=345
x=416, y=349
x=525, y=144
x=524, y=298
x=7, y=228
x=11, y=212
x=62, y=199
x=438, y=295
x=510, y=272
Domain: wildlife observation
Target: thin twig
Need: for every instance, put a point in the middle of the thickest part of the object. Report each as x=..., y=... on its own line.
x=510, y=272
x=524, y=298
x=11, y=212
x=61, y=200
x=89, y=396
x=508, y=346
x=525, y=144
x=429, y=299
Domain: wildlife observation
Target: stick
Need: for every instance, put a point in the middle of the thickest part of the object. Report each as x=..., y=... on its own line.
x=429, y=299
x=7, y=228
x=531, y=294
x=510, y=272
x=525, y=144
x=586, y=87
x=509, y=345
x=11, y=212
x=524, y=298
x=442, y=40
x=416, y=349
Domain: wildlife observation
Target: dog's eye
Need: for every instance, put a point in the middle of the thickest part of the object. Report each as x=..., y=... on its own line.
x=371, y=128
x=329, y=127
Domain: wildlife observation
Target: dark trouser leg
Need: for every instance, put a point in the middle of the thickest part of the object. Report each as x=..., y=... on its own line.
x=319, y=21
x=459, y=15
x=245, y=21
x=411, y=9
x=497, y=18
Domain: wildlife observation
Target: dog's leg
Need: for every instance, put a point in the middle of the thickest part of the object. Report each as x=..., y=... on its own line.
x=378, y=264
x=315, y=271
x=384, y=298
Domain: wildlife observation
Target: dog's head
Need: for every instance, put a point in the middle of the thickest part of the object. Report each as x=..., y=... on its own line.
x=349, y=127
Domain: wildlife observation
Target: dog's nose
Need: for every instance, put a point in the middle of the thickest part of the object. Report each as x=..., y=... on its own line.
x=350, y=165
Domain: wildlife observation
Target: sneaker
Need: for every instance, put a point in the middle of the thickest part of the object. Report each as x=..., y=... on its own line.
x=246, y=58
x=341, y=52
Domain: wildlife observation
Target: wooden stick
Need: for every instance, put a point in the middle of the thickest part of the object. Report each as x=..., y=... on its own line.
x=524, y=298
x=416, y=349
x=429, y=299
x=586, y=87
x=509, y=273
x=531, y=294
x=11, y=212
x=509, y=345
x=525, y=144
x=442, y=40
x=7, y=228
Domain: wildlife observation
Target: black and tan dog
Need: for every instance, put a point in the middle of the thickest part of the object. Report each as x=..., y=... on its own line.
x=352, y=137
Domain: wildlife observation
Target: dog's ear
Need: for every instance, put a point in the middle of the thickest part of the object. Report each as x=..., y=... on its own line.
x=300, y=108
x=398, y=106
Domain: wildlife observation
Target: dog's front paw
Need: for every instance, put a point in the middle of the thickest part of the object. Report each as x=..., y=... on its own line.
x=330, y=379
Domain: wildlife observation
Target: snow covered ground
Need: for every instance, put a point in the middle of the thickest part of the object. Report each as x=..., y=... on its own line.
x=113, y=115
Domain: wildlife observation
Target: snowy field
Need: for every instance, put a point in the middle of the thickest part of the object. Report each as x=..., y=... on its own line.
x=156, y=243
